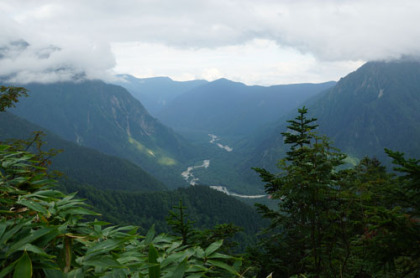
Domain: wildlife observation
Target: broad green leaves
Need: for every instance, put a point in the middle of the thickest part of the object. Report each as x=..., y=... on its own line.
x=154, y=269
x=43, y=232
x=212, y=248
x=23, y=267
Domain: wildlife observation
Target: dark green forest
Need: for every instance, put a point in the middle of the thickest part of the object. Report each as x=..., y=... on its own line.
x=330, y=220
x=205, y=207
x=338, y=222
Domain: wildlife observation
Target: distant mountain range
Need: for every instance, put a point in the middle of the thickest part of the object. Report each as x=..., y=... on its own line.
x=156, y=92
x=375, y=107
x=228, y=108
x=219, y=116
x=233, y=126
x=222, y=107
x=116, y=154
x=107, y=118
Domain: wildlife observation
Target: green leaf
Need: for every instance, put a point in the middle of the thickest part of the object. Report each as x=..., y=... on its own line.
x=34, y=235
x=179, y=271
x=199, y=252
x=7, y=269
x=53, y=273
x=23, y=268
x=150, y=235
x=80, y=211
x=197, y=268
x=130, y=259
x=224, y=266
x=34, y=249
x=195, y=275
x=219, y=256
x=45, y=194
x=103, y=261
x=103, y=247
x=77, y=273
x=174, y=246
x=34, y=206
x=3, y=227
x=154, y=271
x=118, y=273
x=9, y=234
x=175, y=257
x=213, y=247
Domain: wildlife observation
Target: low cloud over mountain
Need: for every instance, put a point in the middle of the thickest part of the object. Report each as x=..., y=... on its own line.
x=68, y=38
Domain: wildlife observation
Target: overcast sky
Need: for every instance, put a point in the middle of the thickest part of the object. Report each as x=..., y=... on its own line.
x=256, y=42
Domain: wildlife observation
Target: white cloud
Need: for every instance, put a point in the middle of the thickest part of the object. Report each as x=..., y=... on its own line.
x=256, y=62
x=51, y=63
x=262, y=42
x=353, y=30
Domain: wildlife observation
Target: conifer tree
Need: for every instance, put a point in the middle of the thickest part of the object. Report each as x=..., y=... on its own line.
x=301, y=236
x=180, y=224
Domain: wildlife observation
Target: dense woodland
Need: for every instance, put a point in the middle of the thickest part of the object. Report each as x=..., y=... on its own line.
x=205, y=207
x=331, y=220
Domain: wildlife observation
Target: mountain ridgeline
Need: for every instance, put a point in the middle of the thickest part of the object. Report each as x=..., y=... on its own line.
x=232, y=109
x=360, y=221
x=128, y=164
x=156, y=92
x=107, y=118
x=375, y=107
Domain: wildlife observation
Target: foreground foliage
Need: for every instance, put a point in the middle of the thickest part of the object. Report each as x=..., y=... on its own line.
x=44, y=233
x=335, y=222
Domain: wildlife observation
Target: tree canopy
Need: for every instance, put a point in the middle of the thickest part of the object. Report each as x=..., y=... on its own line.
x=336, y=221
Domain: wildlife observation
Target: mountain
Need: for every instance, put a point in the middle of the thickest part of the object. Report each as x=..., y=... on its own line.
x=376, y=107
x=156, y=92
x=109, y=119
x=231, y=109
x=373, y=108
x=81, y=165
x=125, y=194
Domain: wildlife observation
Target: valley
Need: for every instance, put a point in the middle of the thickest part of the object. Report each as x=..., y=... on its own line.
x=188, y=174
x=209, y=139
x=214, y=139
x=227, y=192
x=211, y=146
x=227, y=124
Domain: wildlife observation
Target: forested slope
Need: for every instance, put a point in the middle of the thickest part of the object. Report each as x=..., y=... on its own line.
x=107, y=118
x=81, y=164
x=373, y=108
x=205, y=206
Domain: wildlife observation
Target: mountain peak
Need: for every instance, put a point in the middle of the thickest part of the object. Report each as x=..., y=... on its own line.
x=373, y=108
x=226, y=84
x=378, y=76
x=225, y=81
